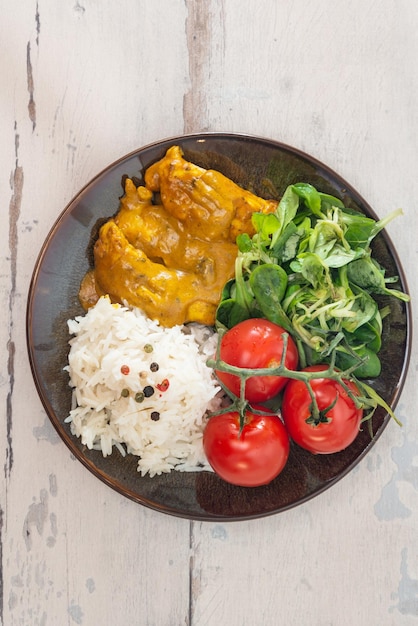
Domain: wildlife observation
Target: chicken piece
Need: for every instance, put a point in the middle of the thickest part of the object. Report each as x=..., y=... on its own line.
x=212, y=206
x=172, y=259
x=152, y=229
x=170, y=295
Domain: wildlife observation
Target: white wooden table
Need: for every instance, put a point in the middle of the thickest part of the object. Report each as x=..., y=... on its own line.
x=84, y=82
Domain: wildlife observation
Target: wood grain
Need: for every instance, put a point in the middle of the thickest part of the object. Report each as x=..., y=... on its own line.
x=85, y=82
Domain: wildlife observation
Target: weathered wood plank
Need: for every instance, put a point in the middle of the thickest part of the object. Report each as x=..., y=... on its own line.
x=83, y=83
x=85, y=89
x=329, y=82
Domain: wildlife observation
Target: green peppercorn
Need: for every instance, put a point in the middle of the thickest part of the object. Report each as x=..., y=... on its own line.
x=124, y=393
x=139, y=397
x=148, y=348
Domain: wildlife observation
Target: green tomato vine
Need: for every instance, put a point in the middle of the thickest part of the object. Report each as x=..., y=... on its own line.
x=368, y=399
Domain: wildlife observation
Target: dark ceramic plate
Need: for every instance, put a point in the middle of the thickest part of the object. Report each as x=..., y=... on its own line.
x=63, y=261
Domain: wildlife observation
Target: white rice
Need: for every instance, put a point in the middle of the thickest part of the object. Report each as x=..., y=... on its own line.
x=106, y=410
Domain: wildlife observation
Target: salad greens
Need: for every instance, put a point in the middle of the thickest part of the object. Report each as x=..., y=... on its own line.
x=309, y=269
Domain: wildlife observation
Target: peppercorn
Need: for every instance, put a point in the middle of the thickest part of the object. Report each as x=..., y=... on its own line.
x=148, y=391
x=139, y=397
x=163, y=385
x=124, y=393
x=154, y=367
x=125, y=370
x=148, y=348
x=155, y=416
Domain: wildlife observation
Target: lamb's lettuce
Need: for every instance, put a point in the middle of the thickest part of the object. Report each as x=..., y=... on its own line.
x=309, y=268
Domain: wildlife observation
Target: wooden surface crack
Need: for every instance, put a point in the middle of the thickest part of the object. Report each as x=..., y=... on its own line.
x=191, y=574
x=16, y=183
x=201, y=25
x=1, y=568
x=198, y=36
x=205, y=36
x=38, y=23
x=31, y=88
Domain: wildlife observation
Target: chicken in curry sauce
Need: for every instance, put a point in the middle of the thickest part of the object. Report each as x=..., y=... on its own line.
x=171, y=248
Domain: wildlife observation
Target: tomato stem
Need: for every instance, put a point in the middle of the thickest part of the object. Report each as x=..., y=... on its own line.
x=368, y=399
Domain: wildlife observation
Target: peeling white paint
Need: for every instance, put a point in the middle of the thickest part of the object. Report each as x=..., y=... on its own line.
x=390, y=505
x=407, y=593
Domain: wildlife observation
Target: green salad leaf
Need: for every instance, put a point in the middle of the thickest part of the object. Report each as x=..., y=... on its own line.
x=309, y=268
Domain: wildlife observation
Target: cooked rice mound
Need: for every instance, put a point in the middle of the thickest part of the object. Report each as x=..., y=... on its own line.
x=141, y=387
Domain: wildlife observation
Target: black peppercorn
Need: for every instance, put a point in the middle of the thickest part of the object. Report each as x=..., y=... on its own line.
x=155, y=416
x=148, y=391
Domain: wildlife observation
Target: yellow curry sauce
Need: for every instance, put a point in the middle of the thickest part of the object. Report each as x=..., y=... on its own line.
x=173, y=258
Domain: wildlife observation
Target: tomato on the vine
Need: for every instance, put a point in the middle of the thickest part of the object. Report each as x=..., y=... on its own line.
x=339, y=420
x=253, y=344
x=252, y=457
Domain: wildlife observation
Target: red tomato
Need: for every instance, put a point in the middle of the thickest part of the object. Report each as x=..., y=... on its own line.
x=254, y=344
x=249, y=459
x=344, y=417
